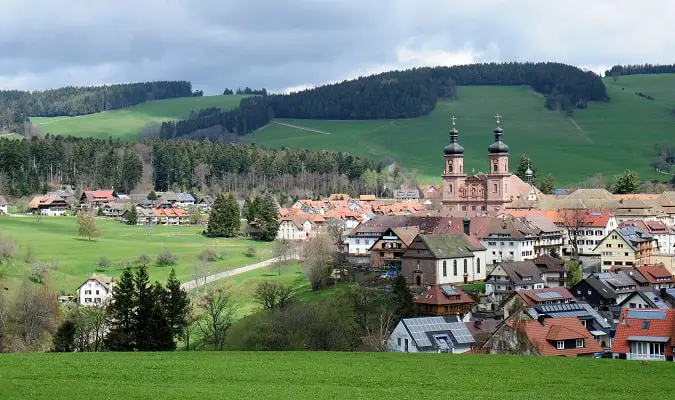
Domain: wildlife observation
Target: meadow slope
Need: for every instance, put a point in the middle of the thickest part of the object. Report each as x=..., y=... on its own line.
x=128, y=122
x=606, y=137
x=323, y=375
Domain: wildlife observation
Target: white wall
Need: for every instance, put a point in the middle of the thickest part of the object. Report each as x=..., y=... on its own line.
x=53, y=212
x=472, y=272
x=504, y=249
x=87, y=294
x=400, y=333
x=3, y=210
x=360, y=245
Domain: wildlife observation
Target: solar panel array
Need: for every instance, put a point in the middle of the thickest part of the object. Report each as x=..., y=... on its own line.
x=549, y=295
x=547, y=308
x=419, y=327
x=449, y=290
x=645, y=314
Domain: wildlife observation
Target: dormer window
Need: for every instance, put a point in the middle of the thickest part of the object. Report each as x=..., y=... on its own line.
x=645, y=325
x=580, y=343
x=560, y=345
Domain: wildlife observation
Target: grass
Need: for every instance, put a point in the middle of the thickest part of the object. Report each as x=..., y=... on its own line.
x=324, y=375
x=606, y=137
x=56, y=238
x=128, y=122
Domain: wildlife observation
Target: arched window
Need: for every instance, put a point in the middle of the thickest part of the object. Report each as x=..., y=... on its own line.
x=445, y=269
x=466, y=266
x=478, y=265
x=494, y=168
x=454, y=267
x=450, y=168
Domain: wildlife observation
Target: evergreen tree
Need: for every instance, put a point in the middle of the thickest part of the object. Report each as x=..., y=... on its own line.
x=144, y=307
x=132, y=219
x=547, y=186
x=177, y=305
x=160, y=335
x=403, y=298
x=232, y=216
x=121, y=314
x=247, y=210
x=224, y=217
x=268, y=219
x=526, y=161
x=152, y=196
x=64, y=339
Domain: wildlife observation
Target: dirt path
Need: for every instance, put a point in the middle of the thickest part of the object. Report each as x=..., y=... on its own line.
x=54, y=120
x=190, y=285
x=580, y=129
x=300, y=127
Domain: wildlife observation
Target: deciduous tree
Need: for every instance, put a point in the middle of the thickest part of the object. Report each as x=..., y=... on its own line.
x=86, y=225
x=627, y=182
x=217, y=315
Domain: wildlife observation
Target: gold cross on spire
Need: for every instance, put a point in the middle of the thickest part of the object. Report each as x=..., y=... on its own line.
x=453, y=120
x=498, y=117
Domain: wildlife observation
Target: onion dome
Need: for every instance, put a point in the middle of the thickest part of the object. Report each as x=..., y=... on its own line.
x=454, y=148
x=498, y=147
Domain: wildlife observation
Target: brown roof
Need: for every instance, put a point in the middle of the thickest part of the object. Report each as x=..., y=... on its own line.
x=44, y=201
x=517, y=270
x=436, y=295
x=547, y=263
x=531, y=297
x=406, y=234
x=655, y=274
x=544, y=336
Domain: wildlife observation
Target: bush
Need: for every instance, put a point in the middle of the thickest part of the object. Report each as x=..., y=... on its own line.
x=104, y=263
x=29, y=256
x=222, y=254
x=7, y=247
x=250, y=252
x=143, y=260
x=207, y=255
x=166, y=258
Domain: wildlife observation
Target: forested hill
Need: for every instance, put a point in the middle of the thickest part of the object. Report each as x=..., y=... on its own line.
x=17, y=106
x=397, y=94
x=644, y=69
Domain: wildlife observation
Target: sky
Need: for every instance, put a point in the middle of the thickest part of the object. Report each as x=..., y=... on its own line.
x=289, y=45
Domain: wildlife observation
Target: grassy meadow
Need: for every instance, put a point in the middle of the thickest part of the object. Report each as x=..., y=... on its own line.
x=55, y=238
x=128, y=122
x=606, y=137
x=324, y=375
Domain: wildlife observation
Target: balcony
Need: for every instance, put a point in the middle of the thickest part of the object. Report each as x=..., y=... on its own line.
x=555, y=279
x=639, y=356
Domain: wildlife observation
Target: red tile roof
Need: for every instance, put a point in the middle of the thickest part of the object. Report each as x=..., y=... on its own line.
x=531, y=297
x=628, y=327
x=100, y=194
x=544, y=336
x=435, y=295
x=652, y=273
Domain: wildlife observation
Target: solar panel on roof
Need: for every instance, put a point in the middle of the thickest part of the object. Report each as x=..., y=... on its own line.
x=448, y=290
x=644, y=314
x=596, y=214
x=550, y=295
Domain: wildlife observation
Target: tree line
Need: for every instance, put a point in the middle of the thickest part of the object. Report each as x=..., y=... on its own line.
x=395, y=94
x=640, y=69
x=36, y=165
x=18, y=106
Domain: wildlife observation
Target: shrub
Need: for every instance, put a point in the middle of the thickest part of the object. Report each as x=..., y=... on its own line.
x=7, y=247
x=250, y=252
x=104, y=263
x=29, y=256
x=143, y=260
x=207, y=255
x=222, y=254
x=166, y=258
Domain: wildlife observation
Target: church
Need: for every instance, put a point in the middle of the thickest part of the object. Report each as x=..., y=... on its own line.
x=492, y=191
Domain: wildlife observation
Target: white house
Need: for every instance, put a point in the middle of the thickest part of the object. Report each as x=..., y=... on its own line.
x=3, y=206
x=96, y=291
x=294, y=227
x=587, y=226
x=664, y=235
x=518, y=239
x=184, y=200
x=446, y=334
x=50, y=205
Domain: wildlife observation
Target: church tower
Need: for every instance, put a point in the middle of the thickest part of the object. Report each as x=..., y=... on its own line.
x=453, y=174
x=498, y=177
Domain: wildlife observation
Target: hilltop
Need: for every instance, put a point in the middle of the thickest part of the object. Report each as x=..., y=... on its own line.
x=326, y=375
x=126, y=123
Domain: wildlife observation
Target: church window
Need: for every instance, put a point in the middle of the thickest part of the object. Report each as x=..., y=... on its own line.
x=466, y=271
x=478, y=265
x=451, y=188
x=494, y=168
x=445, y=269
x=454, y=267
x=494, y=188
x=463, y=208
x=450, y=168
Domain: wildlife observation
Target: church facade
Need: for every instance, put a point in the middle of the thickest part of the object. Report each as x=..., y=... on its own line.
x=491, y=191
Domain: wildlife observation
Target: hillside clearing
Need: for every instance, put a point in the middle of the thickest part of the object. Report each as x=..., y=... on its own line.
x=324, y=375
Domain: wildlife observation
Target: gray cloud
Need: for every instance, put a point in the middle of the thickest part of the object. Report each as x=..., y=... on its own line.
x=284, y=44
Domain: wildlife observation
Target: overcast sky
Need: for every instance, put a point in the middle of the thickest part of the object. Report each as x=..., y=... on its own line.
x=292, y=44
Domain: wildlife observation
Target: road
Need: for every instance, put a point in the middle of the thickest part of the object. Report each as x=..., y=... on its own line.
x=190, y=285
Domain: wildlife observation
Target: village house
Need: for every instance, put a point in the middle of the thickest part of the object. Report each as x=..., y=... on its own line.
x=205, y=203
x=509, y=277
x=94, y=199
x=600, y=326
x=50, y=205
x=114, y=209
x=96, y=291
x=634, y=208
x=626, y=247
x=298, y=226
x=655, y=276
x=3, y=206
x=442, y=259
x=595, y=292
x=645, y=335
x=524, y=299
x=387, y=251
x=544, y=337
x=644, y=299
x=184, y=200
x=444, y=300
x=664, y=235
x=446, y=334
x=171, y=216
x=402, y=195
x=553, y=270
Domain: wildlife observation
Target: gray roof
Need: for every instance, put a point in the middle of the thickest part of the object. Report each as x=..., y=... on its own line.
x=578, y=310
x=658, y=339
x=599, y=287
x=518, y=270
x=425, y=331
x=619, y=281
x=184, y=197
x=651, y=298
x=633, y=236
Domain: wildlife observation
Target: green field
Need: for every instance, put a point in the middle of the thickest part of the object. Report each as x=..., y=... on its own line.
x=323, y=375
x=56, y=238
x=606, y=137
x=128, y=122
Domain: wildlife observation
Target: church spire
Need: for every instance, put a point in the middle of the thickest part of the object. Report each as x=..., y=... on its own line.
x=454, y=148
x=498, y=147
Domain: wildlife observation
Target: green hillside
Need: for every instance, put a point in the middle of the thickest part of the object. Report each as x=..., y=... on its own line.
x=606, y=137
x=324, y=375
x=127, y=122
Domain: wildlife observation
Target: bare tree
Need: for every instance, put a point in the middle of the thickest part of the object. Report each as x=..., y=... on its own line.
x=39, y=271
x=200, y=270
x=285, y=250
x=217, y=316
x=574, y=220
x=336, y=229
x=319, y=253
x=36, y=314
x=375, y=313
x=189, y=329
x=4, y=317
x=86, y=226
x=272, y=295
x=90, y=327
x=8, y=248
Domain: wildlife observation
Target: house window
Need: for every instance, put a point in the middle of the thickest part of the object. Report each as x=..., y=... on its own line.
x=358, y=241
x=608, y=245
x=645, y=325
x=399, y=342
x=494, y=187
x=583, y=322
x=466, y=271
x=560, y=345
x=632, y=305
x=580, y=343
x=445, y=269
x=478, y=265
x=97, y=292
x=589, y=292
x=406, y=345
x=454, y=267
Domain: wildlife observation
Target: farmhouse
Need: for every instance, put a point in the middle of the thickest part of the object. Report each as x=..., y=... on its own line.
x=626, y=247
x=444, y=300
x=446, y=334
x=388, y=249
x=96, y=198
x=3, y=206
x=50, y=205
x=96, y=291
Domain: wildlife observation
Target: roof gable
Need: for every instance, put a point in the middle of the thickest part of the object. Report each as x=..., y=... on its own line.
x=450, y=245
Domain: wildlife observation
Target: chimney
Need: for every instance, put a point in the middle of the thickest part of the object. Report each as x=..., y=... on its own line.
x=467, y=225
x=541, y=319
